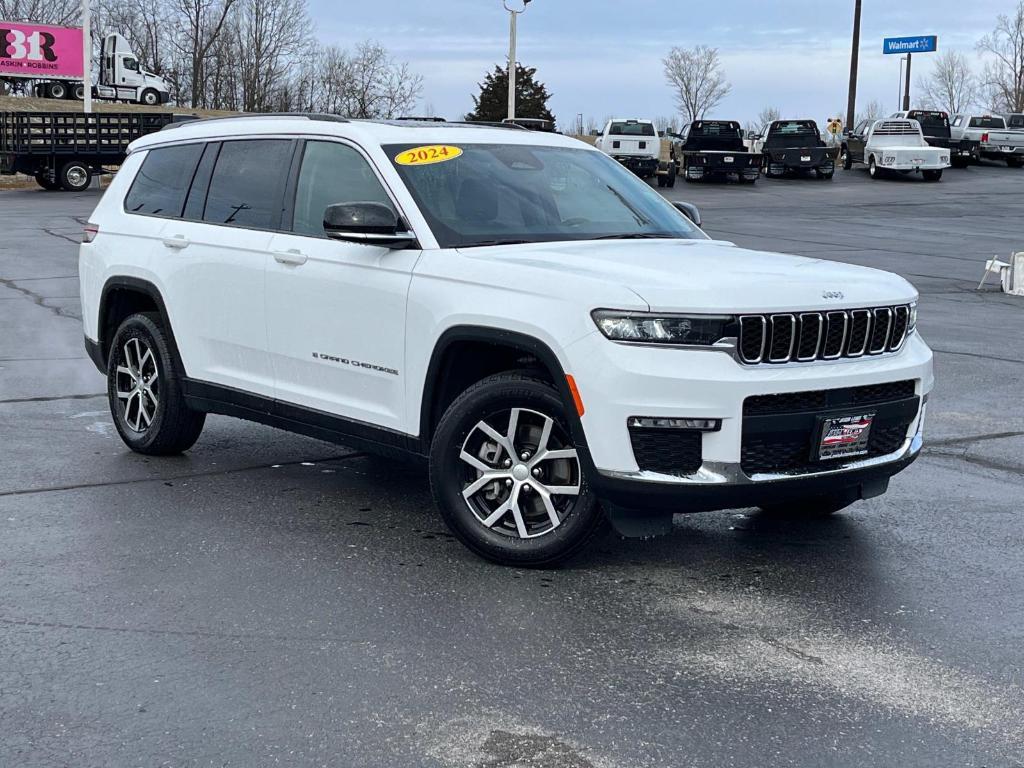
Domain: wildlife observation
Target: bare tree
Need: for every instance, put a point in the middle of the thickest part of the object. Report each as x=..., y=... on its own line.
x=951, y=86
x=1003, y=77
x=768, y=115
x=666, y=123
x=198, y=26
x=698, y=80
x=268, y=34
x=873, y=111
x=58, y=12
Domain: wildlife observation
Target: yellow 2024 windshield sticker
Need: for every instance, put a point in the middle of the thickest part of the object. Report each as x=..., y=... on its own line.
x=434, y=153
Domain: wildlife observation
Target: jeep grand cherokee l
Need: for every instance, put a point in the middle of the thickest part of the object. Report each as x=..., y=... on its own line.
x=562, y=344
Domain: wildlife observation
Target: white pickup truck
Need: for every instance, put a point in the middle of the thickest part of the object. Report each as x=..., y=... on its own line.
x=998, y=141
x=636, y=145
x=893, y=145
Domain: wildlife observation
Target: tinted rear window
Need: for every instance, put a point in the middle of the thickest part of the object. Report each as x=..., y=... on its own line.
x=987, y=122
x=160, y=186
x=247, y=188
x=931, y=121
x=632, y=129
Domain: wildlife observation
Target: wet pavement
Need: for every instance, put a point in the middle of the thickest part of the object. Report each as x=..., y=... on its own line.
x=267, y=599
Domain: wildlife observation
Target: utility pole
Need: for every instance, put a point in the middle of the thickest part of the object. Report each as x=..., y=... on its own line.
x=851, y=104
x=906, y=93
x=87, y=56
x=512, y=13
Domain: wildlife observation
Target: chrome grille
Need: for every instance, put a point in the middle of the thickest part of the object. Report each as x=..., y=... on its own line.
x=803, y=337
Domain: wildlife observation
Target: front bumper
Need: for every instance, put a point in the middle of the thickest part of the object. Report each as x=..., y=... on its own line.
x=620, y=381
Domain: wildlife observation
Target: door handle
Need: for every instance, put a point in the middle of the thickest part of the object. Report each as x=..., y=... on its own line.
x=177, y=242
x=292, y=257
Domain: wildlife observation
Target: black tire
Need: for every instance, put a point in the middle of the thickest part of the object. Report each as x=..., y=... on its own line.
x=581, y=519
x=845, y=159
x=143, y=346
x=150, y=98
x=824, y=175
x=932, y=175
x=767, y=167
x=661, y=182
x=43, y=180
x=1015, y=162
x=813, y=506
x=671, y=180
x=74, y=176
x=960, y=162
x=873, y=170
x=57, y=91
x=78, y=92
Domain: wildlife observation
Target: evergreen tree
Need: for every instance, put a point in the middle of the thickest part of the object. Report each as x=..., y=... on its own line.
x=531, y=96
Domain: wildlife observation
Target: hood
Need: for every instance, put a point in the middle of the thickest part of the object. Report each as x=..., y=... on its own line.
x=707, y=275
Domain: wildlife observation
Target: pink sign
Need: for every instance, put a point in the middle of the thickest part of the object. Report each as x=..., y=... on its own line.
x=37, y=50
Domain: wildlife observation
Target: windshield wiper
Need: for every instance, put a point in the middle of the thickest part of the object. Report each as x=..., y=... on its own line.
x=634, y=236
x=482, y=243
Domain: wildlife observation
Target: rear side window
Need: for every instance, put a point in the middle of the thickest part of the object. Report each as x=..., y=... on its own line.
x=247, y=187
x=160, y=186
x=332, y=173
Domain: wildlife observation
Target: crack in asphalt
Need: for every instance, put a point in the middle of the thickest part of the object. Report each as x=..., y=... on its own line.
x=76, y=240
x=38, y=299
x=183, y=476
x=53, y=398
x=972, y=439
x=996, y=358
x=978, y=461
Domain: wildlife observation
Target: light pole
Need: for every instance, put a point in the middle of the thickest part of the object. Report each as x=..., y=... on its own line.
x=512, y=13
x=86, y=57
x=851, y=104
x=899, y=90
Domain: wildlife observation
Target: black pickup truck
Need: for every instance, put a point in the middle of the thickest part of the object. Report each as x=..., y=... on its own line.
x=935, y=126
x=709, y=148
x=64, y=150
x=794, y=146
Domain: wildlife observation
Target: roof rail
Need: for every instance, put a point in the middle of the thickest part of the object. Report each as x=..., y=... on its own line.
x=255, y=115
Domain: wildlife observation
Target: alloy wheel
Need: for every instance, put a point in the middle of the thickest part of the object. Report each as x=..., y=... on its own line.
x=138, y=384
x=521, y=473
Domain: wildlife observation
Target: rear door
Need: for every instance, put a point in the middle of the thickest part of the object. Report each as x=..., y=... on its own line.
x=219, y=251
x=336, y=310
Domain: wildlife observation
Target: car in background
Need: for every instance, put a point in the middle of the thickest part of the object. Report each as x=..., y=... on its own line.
x=634, y=143
x=716, y=148
x=996, y=139
x=936, y=129
x=893, y=146
x=793, y=146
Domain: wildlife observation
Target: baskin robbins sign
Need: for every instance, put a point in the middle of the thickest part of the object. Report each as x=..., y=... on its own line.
x=38, y=50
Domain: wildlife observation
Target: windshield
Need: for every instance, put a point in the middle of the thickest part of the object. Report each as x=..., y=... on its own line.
x=631, y=128
x=494, y=194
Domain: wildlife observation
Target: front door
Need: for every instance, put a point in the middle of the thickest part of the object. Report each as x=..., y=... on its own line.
x=336, y=310
x=857, y=142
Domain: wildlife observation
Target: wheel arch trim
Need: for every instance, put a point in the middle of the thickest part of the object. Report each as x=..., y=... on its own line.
x=135, y=285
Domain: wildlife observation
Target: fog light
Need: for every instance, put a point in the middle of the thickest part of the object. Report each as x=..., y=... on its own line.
x=652, y=422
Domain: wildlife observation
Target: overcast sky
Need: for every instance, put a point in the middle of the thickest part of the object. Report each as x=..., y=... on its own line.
x=599, y=57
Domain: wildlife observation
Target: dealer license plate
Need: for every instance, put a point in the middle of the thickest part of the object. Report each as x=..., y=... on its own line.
x=1006, y=149
x=844, y=436
x=728, y=159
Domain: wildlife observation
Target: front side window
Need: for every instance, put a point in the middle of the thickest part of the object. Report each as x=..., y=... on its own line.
x=131, y=64
x=1017, y=121
x=247, y=187
x=160, y=186
x=491, y=194
x=332, y=173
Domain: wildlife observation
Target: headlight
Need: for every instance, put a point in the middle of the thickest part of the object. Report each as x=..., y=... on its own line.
x=913, y=319
x=650, y=328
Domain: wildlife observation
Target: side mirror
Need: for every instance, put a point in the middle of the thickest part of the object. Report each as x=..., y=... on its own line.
x=689, y=210
x=366, y=223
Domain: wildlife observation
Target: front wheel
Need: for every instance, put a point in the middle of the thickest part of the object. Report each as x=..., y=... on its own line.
x=507, y=477
x=932, y=175
x=845, y=159
x=144, y=390
x=150, y=97
x=873, y=170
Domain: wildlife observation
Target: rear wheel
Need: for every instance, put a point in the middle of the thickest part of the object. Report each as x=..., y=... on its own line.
x=144, y=390
x=825, y=175
x=1015, y=162
x=57, y=91
x=670, y=181
x=932, y=175
x=74, y=176
x=79, y=92
x=507, y=477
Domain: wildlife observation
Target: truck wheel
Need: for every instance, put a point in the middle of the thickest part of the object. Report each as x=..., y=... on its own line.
x=661, y=181
x=145, y=391
x=844, y=158
x=824, y=175
x=873, y=170
x=79, y=92
x=767, y=166
x=150, y=97
x=671, y=180
x=57, y=91
x=43, y=180
x=74, y=176
x=932, y=175
x=507, y=477
x=1015, y=162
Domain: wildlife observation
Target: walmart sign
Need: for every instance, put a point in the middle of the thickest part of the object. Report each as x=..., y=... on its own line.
x=919, y=44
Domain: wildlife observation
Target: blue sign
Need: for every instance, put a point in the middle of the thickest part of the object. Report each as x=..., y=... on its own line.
x=920, y=44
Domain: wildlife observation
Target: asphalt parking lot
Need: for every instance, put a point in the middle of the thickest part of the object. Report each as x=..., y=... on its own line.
x=267, y=599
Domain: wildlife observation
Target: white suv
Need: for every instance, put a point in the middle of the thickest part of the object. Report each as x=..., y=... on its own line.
x=564, y=345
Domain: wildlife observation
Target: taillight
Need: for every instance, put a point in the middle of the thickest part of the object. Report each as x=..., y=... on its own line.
x=91, y=230
x=984, y=138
